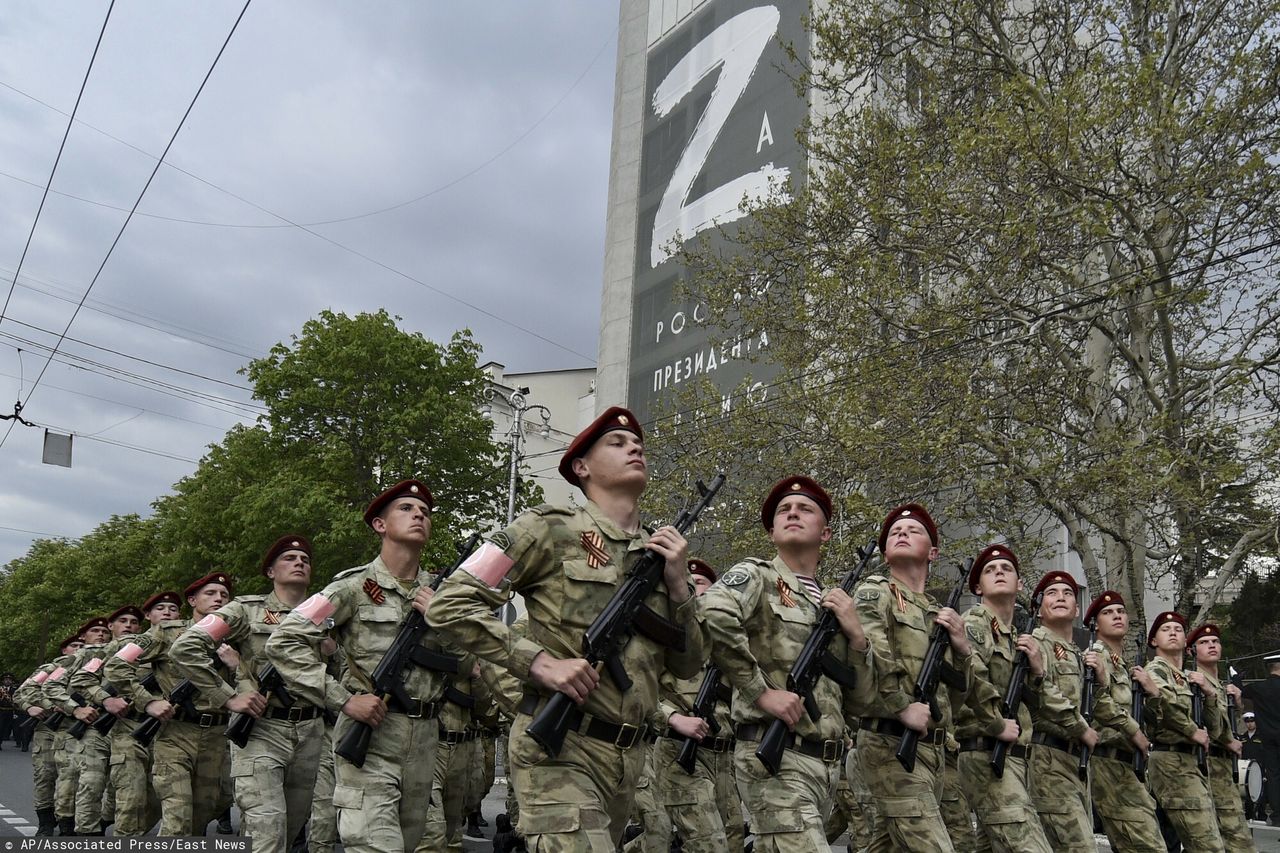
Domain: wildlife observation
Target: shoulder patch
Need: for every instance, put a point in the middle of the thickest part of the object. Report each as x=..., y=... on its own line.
x=735, y=577
x=553, y=509
x=974, y=634
x=868, y=594
x=501, y=541
x=348, y=572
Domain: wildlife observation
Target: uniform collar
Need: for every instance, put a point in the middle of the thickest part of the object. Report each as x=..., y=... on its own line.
x=611, y=528
x=386, y=580
x=790, y=579
x=273, y=603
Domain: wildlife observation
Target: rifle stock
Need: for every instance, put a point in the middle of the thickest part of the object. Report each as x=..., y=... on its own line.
x=181, y=698
x=270, y=683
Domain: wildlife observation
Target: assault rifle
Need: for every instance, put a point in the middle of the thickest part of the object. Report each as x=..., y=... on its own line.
x=609, y=633
x=107, y=720
x=1136, y=708
x=814, y=662
x=1017, y=685
x=270, y=683
x=388, y=676
x=181, y=698
x=78, y=729
x=704, y=706
x=1087, y=691
x=1233, y=677
x=1197, y=717
x=931, y=672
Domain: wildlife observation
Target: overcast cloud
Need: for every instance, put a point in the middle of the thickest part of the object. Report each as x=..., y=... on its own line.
x=316, y=112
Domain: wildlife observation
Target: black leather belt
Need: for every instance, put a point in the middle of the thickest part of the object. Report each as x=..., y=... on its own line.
x=1115, y=753
x=1184, y=748
x=715, y=744
x=986, y=744
x=828, y=750
x=296, y=714
x=621, y=735
x=1220, y=752
x=454, y=738
x=1061, y=744
x=417, y=710
x=204, y=719
x=893, y=728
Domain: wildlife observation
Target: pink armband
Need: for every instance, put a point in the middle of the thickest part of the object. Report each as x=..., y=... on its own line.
x=93, y=665
x=57, y=673
x=215, y=627
x=130, y=652
x=489, y=564
x=40, y=677
x=315, y=609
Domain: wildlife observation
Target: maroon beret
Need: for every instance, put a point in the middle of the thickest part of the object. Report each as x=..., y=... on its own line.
x=796, y=485
x=214, y=577
x=161, y=597
x=1106, y=599
x=1162, y=619
x=127, y=610
x=986, y=555
x=95, y=622
x=288, y=542
x=1056, y=576
x=74, y=638
x=1208, y=629
x=908, y=511
x=614, y=417
x=698, y=567
x=403, y=489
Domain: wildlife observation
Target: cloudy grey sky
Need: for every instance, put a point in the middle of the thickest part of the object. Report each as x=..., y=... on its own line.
x=461, y=145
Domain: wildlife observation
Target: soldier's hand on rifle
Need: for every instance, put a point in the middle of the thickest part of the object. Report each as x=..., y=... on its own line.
x=1201, y=737
x=1236, y=746
x=669, y=542
x=252, y=703
x=1011, y=732
x=951, y=620
x=1197, y=677
x=574, y=678
x=116, y=705
x=694, y=727
x=422, y=598
x=1141, y=742
x=916, y=716
x=841, y=604
x=365, y=708
x=86, y=714
x=160, y=709
x=783, y=704
x=229, y=656
x=35, y=711
x=1027, y=644
x=1094, y=660
x=1234, y=692
x=1140, y=675
x=1090, y=738
x=328, y=646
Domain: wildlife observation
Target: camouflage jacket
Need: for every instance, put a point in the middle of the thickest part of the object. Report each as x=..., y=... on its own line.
x=1118, y=729
x=31, y=691
x=568, y=562
x=1173, y=723
x=368, y=606
x=1215, y=717
x=89, y=678
x=678, y=695
x=58, y=689
x=1056, y=710
x=994, y=648
x=152, y=648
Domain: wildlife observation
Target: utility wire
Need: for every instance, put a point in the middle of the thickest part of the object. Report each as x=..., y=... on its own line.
x=56, y=160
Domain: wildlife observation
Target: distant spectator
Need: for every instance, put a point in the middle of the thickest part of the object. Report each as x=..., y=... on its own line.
x=1265, y=696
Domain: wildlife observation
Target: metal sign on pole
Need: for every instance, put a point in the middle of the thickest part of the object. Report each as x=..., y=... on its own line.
x=57, y=449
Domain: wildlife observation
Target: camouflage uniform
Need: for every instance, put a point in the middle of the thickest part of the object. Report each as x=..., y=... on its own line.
x=954, y=804
x=456, y=760
x=66, y=749
x=274, y=774
x=382, y=805
x=322, y=828
x=567, y=563
x=1007, y=819
x=1125, y=805
x=1236, y=837
x=703, y=807
x=864, y=824
x=898, y=622
x=1176, y=783
x=94, y=795
x=189, y=757
x=649, y=812
x=758, y=616
x=506, y=692
x=44, y=771
x=137, y=807
x=847, y=810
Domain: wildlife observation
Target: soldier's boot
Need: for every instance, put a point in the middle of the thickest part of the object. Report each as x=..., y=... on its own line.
x=473, y=827
x=224, y=823
x=66, y=826
x=47, y=822
x=102, y=829
x=480, y=818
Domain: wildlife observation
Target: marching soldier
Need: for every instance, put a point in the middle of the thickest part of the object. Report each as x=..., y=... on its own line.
x=1007, y=818
x=1172, y=773
x=382, y=805
x=759, y=616
x=1127, y=810
x=44, y=768
x=1060, y=795
x=1205, y=644
x=92, y=818
x=649, y=815
x=457, y=757
x=704, y=806
x=66, y=748
x=567, y=562
x=898, y=617
x=274, y=774
x=189, y=756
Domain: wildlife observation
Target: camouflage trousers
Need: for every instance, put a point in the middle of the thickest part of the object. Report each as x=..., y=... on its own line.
x=849, y=810
x=649, y=811
x=322, y=829
x=581, y=799
x=1185, y=797
x=189, y=768
x=137, y=806
x=1061, y=800
x=1125, y=805
x=382, y=806
x=487, y=749
x=451, y=789
x=1007, y=819
x=44, y=769
x=274, y=778
x=95, y=800
x=789, y=810
x=908, y=810
x=66, y=754
x=703, y=807
x=954, y=806
x=513, y=803
x=1236, y=837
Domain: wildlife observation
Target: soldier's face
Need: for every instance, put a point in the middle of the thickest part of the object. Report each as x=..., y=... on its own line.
x=208, y=598
x=909, y=541
x=701, y=584
x=999, y=577
x=293, y=567
x=97, y=635
x=1059, y=603
x=406, y=520
x=1208, y=650
x=125, y=624
x=1113, y=621
x=163, y=612
x=1171, y=638
x=615, y=460
x=1250, y=725
x=72, y=648
x=798, y=520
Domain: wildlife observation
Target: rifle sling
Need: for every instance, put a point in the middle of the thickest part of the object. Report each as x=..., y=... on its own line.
x=838, y=671
x=661, y=630
x=457, y=697
x=952, y=677
x=435, y=660
x=724, y=693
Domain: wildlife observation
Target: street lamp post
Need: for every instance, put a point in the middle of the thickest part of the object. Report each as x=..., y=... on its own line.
x=519, y=403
